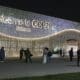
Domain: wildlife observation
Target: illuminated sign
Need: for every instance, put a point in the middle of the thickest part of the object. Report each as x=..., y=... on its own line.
x=24, y=24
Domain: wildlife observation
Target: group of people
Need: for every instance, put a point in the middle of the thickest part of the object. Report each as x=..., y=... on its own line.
x=27, y=54
x=71, y=55
x=46, y=55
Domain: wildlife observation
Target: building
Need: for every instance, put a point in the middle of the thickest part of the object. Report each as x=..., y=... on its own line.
x=31, y=30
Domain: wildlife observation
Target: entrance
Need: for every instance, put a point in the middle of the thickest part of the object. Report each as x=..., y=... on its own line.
x=70, y=44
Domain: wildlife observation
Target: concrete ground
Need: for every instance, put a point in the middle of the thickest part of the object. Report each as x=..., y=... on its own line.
x=16, y=68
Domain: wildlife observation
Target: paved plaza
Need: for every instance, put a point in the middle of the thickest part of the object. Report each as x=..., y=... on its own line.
x=16, y=68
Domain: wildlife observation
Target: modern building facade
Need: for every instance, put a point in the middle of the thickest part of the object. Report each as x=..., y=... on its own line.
x=23, y=29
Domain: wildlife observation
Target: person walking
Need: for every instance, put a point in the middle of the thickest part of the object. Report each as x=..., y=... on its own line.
x=28, y=55
x=78, y=56
x=2, y=54
x=60, y=51
x=71, y=54
x=49, y=56
x=45, y=53
x=21, y=53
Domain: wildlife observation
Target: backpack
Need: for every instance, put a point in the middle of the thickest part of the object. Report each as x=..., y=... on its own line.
x=49, y=53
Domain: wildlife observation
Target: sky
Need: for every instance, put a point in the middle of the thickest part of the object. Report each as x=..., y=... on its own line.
x=66, y=9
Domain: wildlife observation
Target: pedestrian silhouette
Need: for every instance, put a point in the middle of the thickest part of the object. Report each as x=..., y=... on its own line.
x=28, y=55
x=2, y=54
x=45, y=53
x=78, y=56
x=21, y=53
x=60, y=52
x=71, y=54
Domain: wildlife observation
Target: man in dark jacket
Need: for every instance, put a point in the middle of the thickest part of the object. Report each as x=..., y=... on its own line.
x=71, y=54
x=28, y=55
x=21, y=53
x=78, y=56
x=2, y=54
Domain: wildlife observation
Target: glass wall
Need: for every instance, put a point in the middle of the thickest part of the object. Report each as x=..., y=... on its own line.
x=13, y=46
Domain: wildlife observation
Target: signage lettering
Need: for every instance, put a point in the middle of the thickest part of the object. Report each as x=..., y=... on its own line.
x=25, y=22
